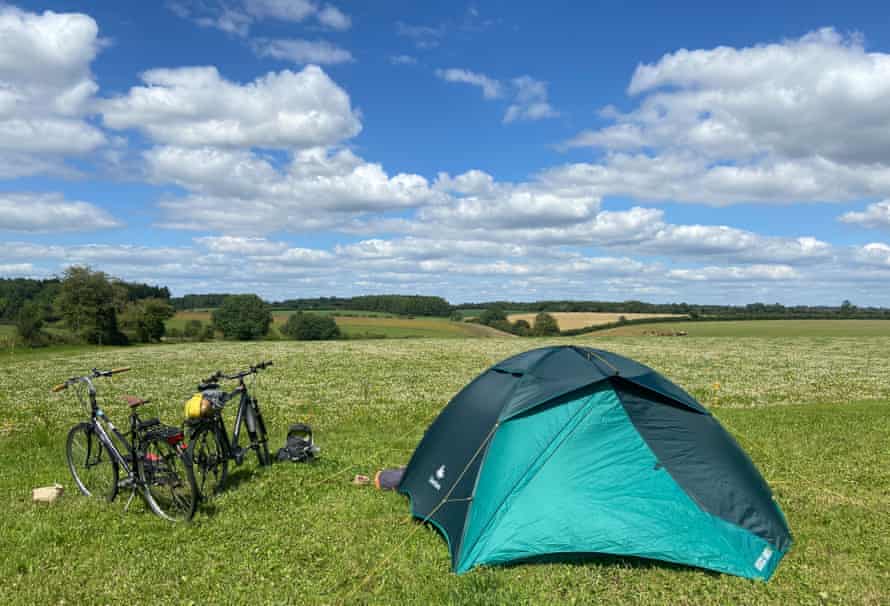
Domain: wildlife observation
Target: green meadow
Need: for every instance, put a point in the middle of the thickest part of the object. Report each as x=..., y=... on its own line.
x=366, y=325
x=813, y=412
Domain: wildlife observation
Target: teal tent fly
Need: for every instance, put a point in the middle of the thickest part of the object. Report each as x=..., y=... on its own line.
x=573, y=450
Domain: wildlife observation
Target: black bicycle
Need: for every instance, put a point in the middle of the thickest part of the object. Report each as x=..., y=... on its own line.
x=156, y=462
x=209, y=443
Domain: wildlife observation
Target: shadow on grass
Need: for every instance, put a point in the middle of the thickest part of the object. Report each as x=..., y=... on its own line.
x=602, y=560
x=605, y=560
x=207, y=506
x=236, y=479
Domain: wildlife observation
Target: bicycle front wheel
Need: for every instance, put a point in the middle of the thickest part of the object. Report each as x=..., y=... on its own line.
x=90, y=463
x=169, y=481
x=209, y=461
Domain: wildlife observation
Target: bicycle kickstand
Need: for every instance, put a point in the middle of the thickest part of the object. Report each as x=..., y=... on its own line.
x=130, y=500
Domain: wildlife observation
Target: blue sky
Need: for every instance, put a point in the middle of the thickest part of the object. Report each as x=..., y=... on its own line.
x=604, y=150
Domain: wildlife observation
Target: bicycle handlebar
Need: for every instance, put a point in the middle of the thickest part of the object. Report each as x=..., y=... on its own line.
x=94, y=374
x=215, y=377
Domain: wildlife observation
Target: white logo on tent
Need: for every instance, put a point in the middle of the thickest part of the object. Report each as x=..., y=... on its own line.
x=437, y=477
x=765, y=555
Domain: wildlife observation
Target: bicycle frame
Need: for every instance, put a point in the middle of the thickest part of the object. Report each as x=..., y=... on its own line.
x=147, y=465
x=231, y=447
x=244, y=414
x=98, y=420
x=247, y=415
x=97, y=416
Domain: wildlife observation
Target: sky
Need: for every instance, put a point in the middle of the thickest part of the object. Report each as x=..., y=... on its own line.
x=666, y=152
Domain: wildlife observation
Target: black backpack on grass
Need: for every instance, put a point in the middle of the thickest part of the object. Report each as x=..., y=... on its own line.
x=299, y=447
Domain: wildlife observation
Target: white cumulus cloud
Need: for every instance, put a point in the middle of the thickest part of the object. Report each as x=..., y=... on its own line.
x=46, y=90
x=875, y=254
x=735, y=274
x=530, y=102
x=30, y=212
x=318, y=189
x=238, y=17
x=875, y=216
x=195, y=106
x=301, y=51
x=804, y=119
x=491, y=88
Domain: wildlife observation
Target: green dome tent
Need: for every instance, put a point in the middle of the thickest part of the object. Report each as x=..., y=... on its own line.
x=568, y=450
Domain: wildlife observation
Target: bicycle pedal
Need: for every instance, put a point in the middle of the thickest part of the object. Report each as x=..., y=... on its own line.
x=239, y=455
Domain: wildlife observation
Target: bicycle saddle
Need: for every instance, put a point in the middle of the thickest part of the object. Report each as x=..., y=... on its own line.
x=133, y=401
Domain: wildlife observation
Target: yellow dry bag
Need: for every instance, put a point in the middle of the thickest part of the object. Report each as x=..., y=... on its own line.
x=197, y=406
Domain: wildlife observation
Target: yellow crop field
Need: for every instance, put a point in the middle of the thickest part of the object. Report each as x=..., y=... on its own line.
x=580, y=319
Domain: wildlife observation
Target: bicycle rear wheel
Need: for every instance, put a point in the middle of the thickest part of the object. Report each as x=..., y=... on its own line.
x=211, y=465
x=169, y=481
x=94, y=470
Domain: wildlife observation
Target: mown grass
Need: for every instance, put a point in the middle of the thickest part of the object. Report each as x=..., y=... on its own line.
x=814, y=414
x=761, y=328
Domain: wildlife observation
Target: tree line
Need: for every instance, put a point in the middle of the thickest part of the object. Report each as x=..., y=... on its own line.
x=94, y=307
x=16, y=292
x=191, y=302
x=406, y=305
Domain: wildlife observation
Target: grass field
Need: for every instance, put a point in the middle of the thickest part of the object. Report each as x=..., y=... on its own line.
x=762, y=328
x=345, y=313
x=369, y=325
x=414, y=327
x=572, y=320
x=813, y=413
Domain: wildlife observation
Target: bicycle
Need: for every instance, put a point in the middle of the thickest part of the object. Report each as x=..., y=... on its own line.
x=155, y=463
x=209, y=443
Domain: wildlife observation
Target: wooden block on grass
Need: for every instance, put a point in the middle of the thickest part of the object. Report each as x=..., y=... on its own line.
x=47, y=494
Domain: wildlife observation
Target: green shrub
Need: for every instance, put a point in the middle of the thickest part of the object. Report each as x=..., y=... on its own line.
x=89, y=301
x=490, y=316
x=243, y=317
x=521, y=328
x=143, y=320
x=29, y=324
x=501, y=325
x=310, y=327
x=193, y=329
x=545, y=325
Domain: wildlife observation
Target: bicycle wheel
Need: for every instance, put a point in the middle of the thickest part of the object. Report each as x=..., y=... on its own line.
x=259, y=441
x=169, y=481
x=209, y=460
x=91, y=465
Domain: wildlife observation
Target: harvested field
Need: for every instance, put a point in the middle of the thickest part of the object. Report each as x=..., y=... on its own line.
x=581, y=319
